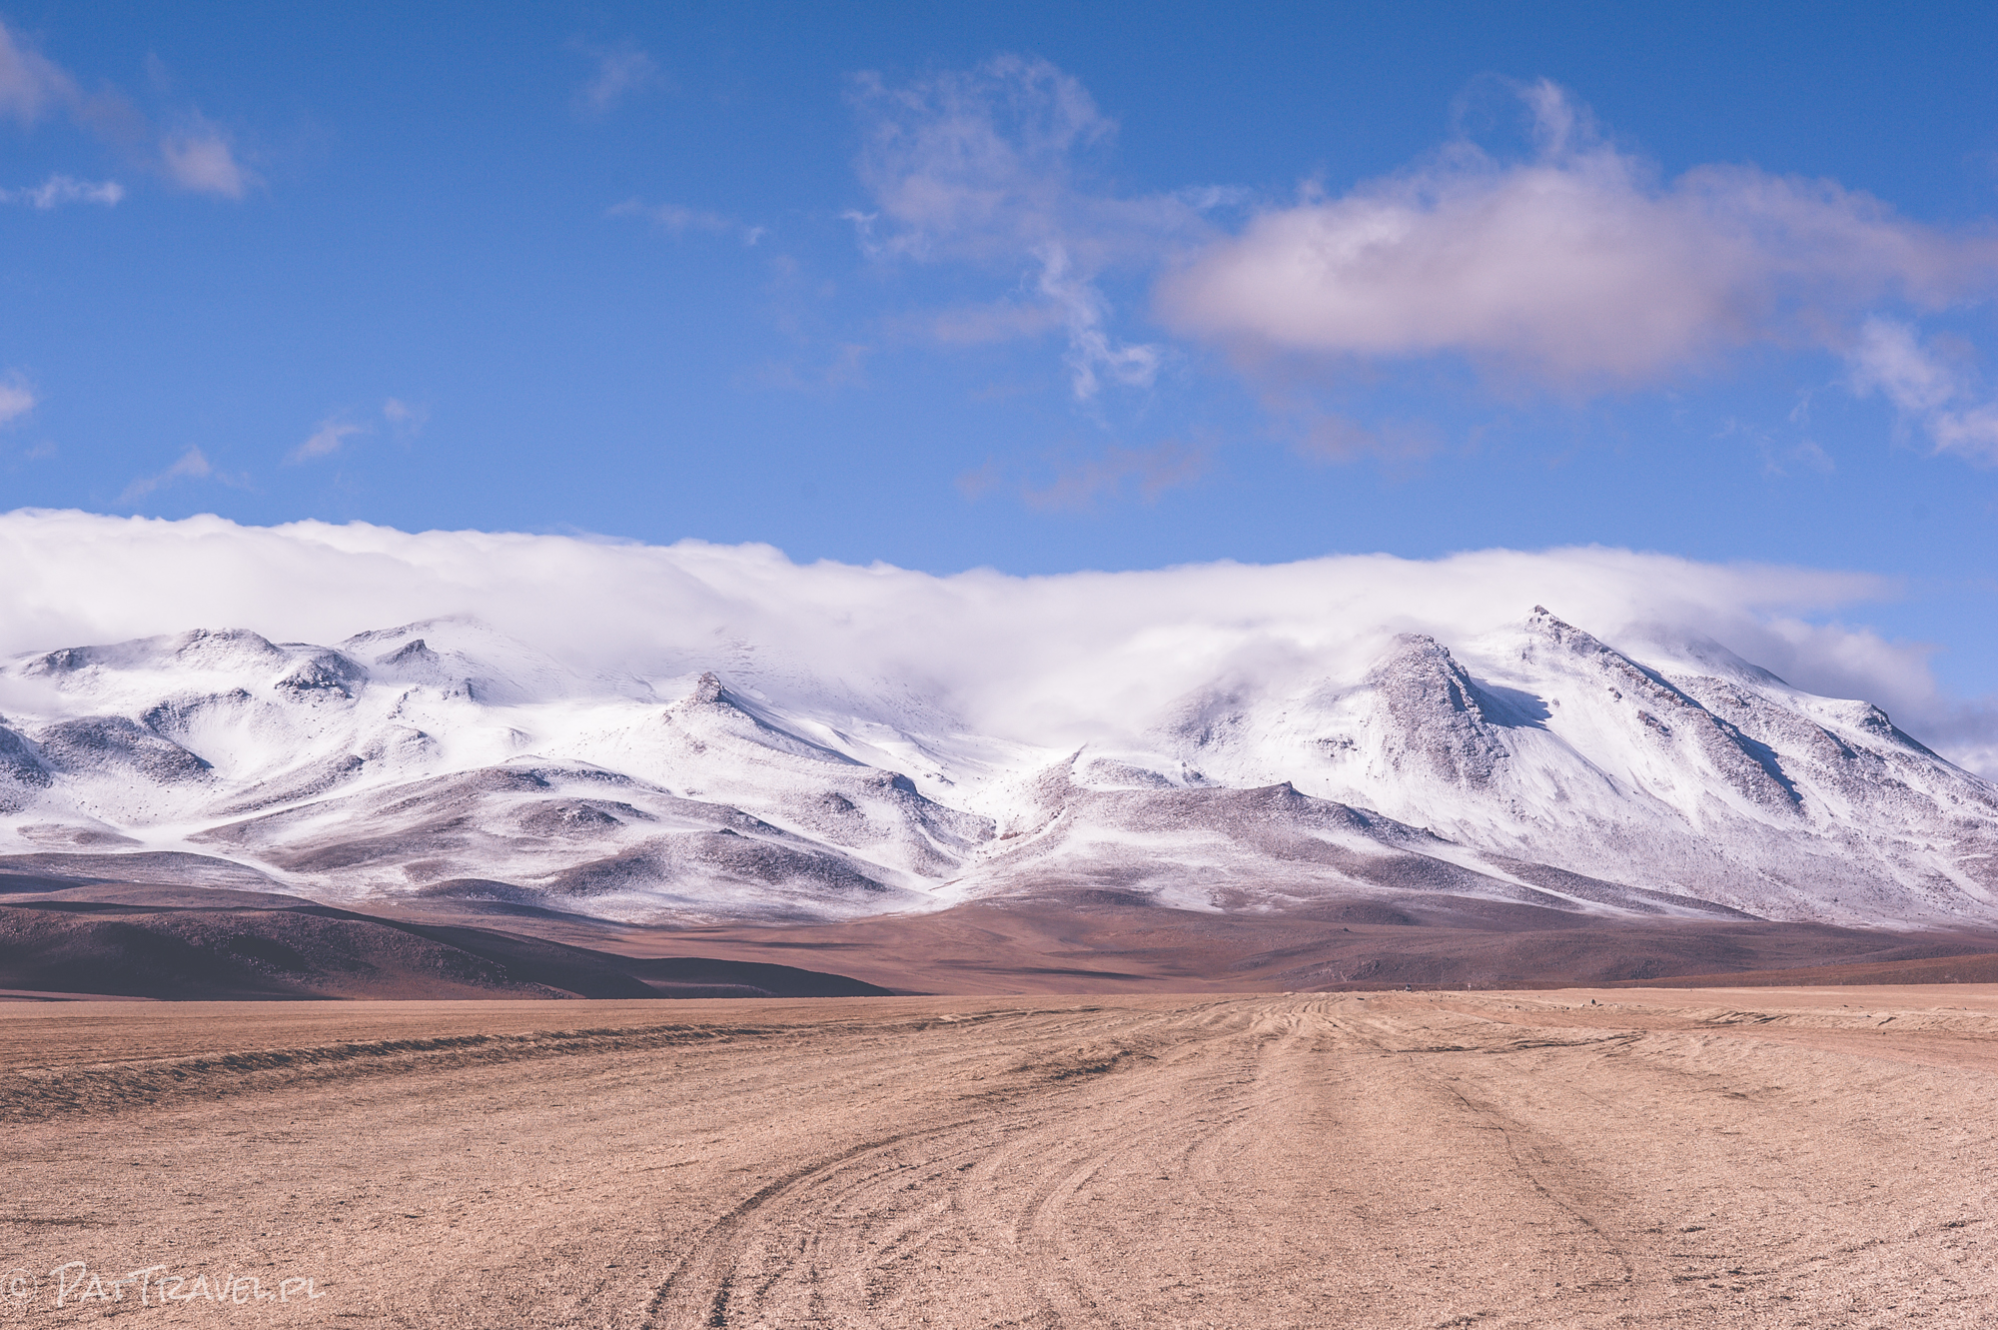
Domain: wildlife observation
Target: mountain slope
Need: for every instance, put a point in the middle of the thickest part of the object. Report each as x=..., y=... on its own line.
x=1537, y=765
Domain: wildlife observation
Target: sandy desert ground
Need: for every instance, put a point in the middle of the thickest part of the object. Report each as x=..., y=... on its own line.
x=1764, y=1157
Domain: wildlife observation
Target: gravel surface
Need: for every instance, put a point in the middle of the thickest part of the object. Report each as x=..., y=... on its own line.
x=1763, y=1157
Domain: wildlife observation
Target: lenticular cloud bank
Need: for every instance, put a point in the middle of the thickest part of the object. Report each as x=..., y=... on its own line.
x=703, y=732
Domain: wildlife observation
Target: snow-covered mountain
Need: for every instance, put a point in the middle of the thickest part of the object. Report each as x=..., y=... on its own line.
x=1533, y=764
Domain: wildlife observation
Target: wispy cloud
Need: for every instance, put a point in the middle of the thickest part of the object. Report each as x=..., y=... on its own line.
x=201, y=160
x=1926, y=388
x=981, y=163
x=980, y=325
x=673, y=217
x=324, y=441
x=192, y=465
x=1149, y=471
x=60, y=189
x=31, y=85
x=196, y=155
x=677, y=220
x=621, y=70
x=404, y=417
x=1781, y=457
x=845, y=366
x=990, y=166
x=1090, y=347
x=1081, y=483
x=16, y=399
x=1327, y=437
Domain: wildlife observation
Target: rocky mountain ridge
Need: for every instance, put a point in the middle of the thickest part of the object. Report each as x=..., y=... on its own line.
x=1538, y=765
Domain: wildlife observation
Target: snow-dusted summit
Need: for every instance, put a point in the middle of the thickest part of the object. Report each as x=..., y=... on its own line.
x=1535, y=764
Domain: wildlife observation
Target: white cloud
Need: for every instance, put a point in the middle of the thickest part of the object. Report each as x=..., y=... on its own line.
x=980, y=162
x=403, y=417
x=673, y=217
x=988, y=166
x=16, y=399
x=326, y=440
x=1090, y=347
x=61, y=189
x=677, y=220
x=980, y=325
x=201, y=161
x=1889, y=358
x=621, y=69
x=843, y=366
x=30, y=84
x=191, y=465
x=1578, y=268
x=1080, y=485
x=197, y=157
x=1042, y=657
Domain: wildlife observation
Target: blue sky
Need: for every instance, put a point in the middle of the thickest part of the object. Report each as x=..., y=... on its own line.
x=1035, y=287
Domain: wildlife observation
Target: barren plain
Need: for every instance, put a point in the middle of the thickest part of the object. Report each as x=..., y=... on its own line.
x=1757, y=1157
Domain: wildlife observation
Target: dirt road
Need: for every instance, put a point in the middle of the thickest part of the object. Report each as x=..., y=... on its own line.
x=1756, y=1158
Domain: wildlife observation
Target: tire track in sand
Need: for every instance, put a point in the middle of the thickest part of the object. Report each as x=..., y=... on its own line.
x=840, y=1236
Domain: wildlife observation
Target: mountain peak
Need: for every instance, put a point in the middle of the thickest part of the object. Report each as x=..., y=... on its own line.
x=354, y=775
x=1545, y=624
x=409, y=653
x=1431, y=717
